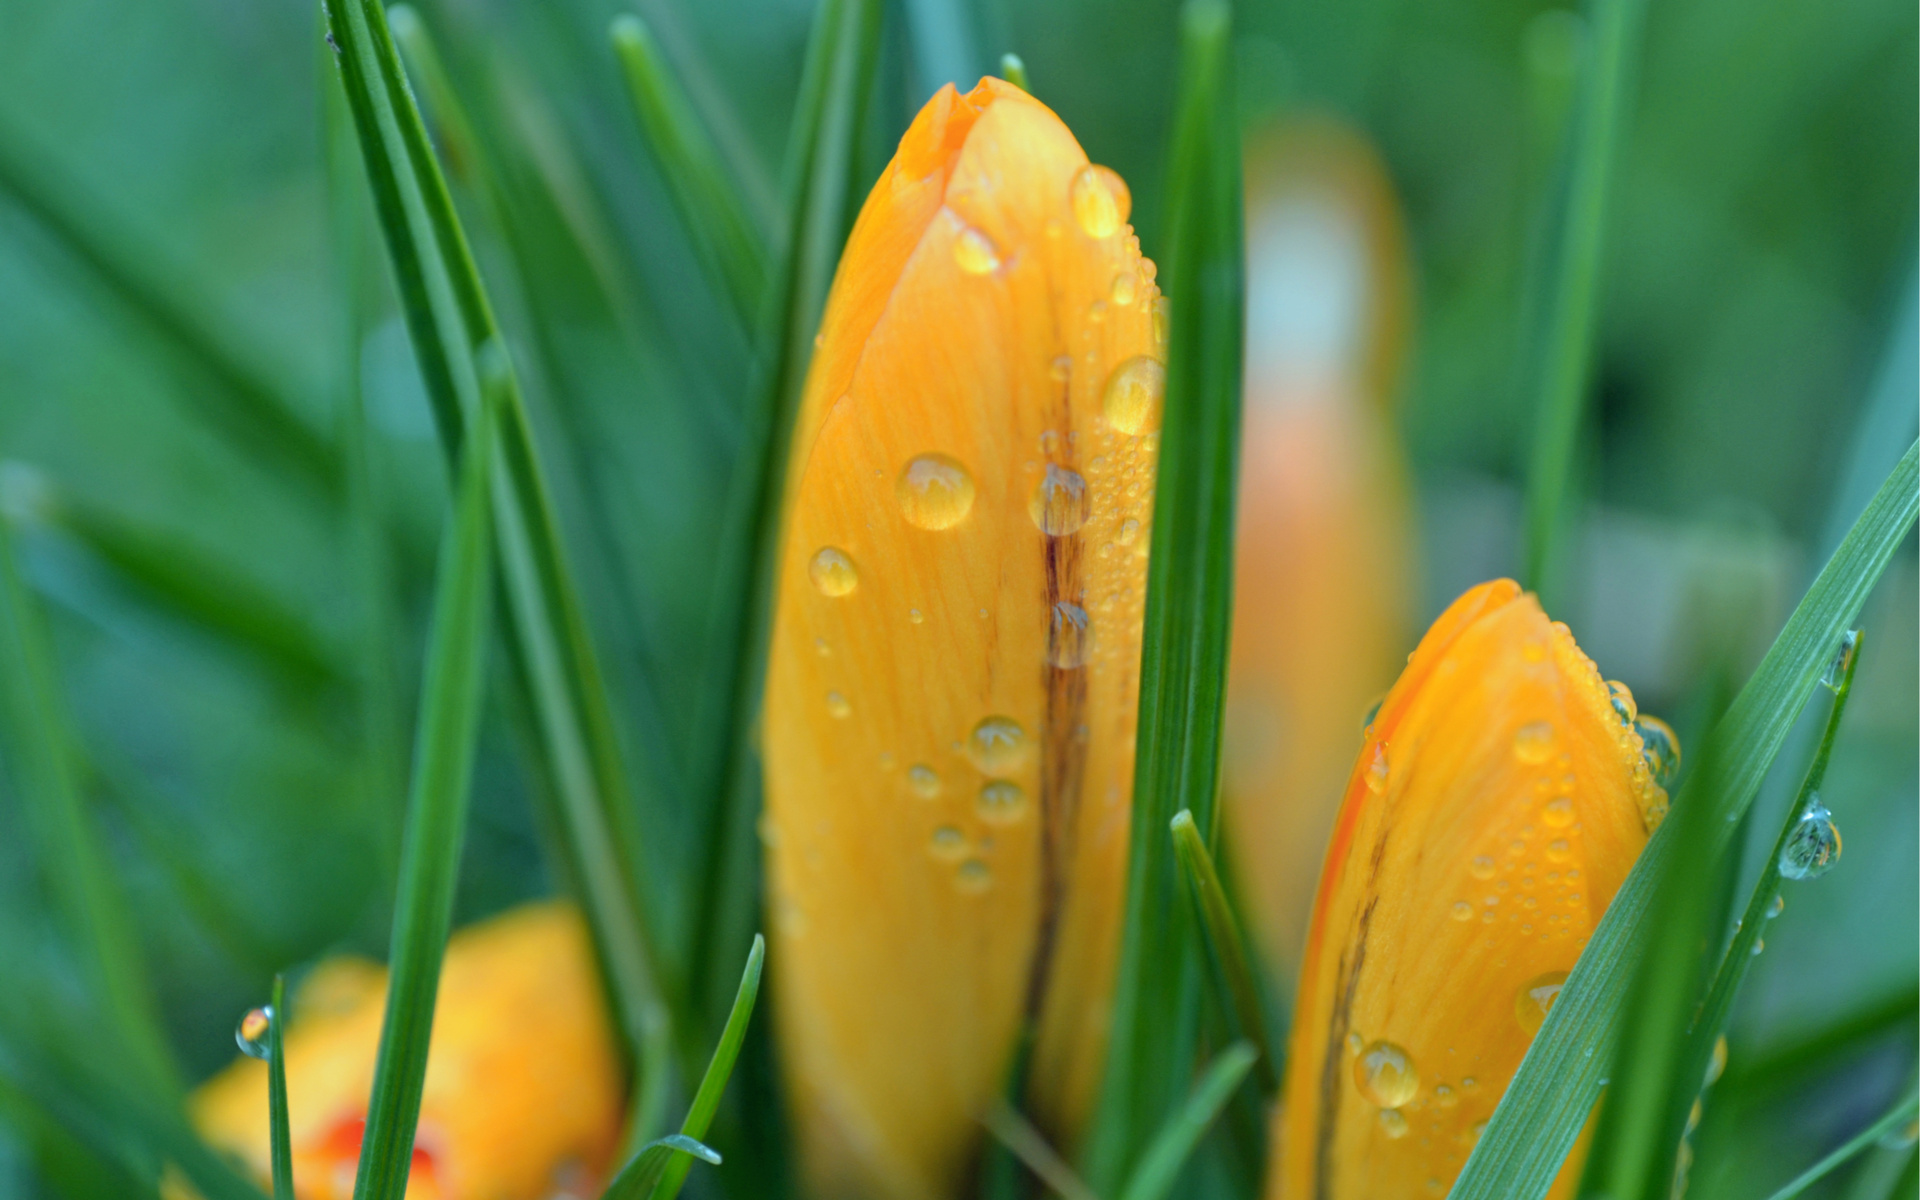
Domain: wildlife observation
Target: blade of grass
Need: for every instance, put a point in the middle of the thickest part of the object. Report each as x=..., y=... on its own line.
x=449, y=317
x=1013, y=69
x=39, y=750
x=642, y=1176
x=243, y=403
x=1229, y=946
x=1895, y=1117
x=706, y=198
x=280, y=1136
x=1880, y=1177
x=1159, y=1166
x=1189, y=601
x=822, y=191
x=1556, y=378
x=436, y=807
x=706, y=1101
x=1545, y=1106
x=1030, y=1146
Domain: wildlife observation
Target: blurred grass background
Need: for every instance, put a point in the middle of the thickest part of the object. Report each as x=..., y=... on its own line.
x=1758, y=275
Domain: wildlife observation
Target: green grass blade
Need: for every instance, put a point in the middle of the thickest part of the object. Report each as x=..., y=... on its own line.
x=706, y=1100
x=707, y=199
x=1013, y=69
x=1556, y=380
x=1547, y=1102
x=1030, y=1146
x=39, y=751
x=280, y=1135
x=436, y=809
x=241, y=402
x=449, y=317
x=1781, y=1066
x=822, y=189
x=1189, y=607
x=1887, y=1174
x=1895, y=1117
x=1153, y=1179
x=642, y=1176
x=1229, y=945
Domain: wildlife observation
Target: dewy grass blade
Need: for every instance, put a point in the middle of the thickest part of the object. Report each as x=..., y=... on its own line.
x=279, y=1136
x=1900, y=1114
x=1153, y=1179
x=707, y=199
x=1189, y=606
x=1229, y=946
x=249, y=408
x=821, y=186
x=437, y=806
x=642, y=1177
x=1545, y=1106
x=1561, y=352
x=706, y=1101
x=449, y=318
x=38, y=751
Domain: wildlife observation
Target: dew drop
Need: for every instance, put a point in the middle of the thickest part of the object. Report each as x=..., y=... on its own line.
x=1660, y=747
x=947, y=843
x=1129, y=530
x=1061, y=368
x=1385, y=1075
x=1813, y=846
x=1558, y=850
x=1461, y=911
x=1535, y=1000
x=924, y=781
x=1481, y=867
x=837, y=706
x=1623, y=706
x=1377, y=770
x=1100, y=199
x=1533, y=742
x=997, y=745
x=973, y=876
x=1131, y=402
x=833, y=574
x=1445, y=1096
x=1126, y=289
x=975, y=252
x=916, y=616
x=1162, y=322
x=1060, y=503
x=1069, y=636
x=1778, y=906
x=1837, y=668
x=1558, y=812
x=1355, y=1043
x=1717, y=1064
x=1759, y=945
x=251, y=1034
x=821, y=648
x=1001, y=803
x=1392, y=1123
x=935, y=492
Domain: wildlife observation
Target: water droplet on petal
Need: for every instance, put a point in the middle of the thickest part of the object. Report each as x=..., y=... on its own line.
x=1129, y=530
x=1377, y=770
x=838, y=707
x=1001, y=803
x=1355, y=1043
x=973, y=876
x=251, y=1034
x=1133, y=395
x=1061, y=369
x=935, y=492
x=1126, y=288
x=1558, y=850
x=947, y=843
x=1813, y=846
x=1558, y=811
x=1162, y=322
x=1392, y=1123
x=975, y=252
x=1481, y=867
x=1069, y=636
x=1623, y=706
x=1461, y=911
x=1660, y=747
x=924, y=781
x=1533, y=742
x=1060, y=503
x=1535, y=1000
x=1100, y=199
x=1386, y=1076
x=833, y=574
x=997, y=745
x=1837, y=668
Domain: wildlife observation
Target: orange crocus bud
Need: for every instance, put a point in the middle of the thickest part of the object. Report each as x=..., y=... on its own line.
x=1322, y=568
x=949, y=722
x=1498, y=802
x=522, y=1092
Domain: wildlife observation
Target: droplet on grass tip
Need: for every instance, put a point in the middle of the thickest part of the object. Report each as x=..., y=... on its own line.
x=1837, y=667
x=253, y=1032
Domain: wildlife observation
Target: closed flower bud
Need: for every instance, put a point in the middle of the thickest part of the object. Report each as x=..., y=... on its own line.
x=950, y=705
x=1498, y=802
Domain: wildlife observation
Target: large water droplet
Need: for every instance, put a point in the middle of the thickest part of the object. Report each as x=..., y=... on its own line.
x=935, y=492
x=947, y=843
x=1535, y=1000
x=1623, y=706
x=253, y=1031
x=997, y=745
x=924, y=781
x=1060, y=502
x=1001, y=803
x=1385, y=1075
x=975, y=252
x=1131, y=402
x=1813, y=846
x=1533, y=742
x=833, y=573
x=1069, y=636
x=1660, y=747
x=1100, y=199
x=1837, y=668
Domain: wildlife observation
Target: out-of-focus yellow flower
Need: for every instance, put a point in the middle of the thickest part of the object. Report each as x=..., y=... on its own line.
x=951, y=693
x=1499, y=799
x=522, y=1091
x=1322, y=573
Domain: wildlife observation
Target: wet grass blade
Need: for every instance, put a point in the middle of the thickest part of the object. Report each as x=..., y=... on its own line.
x=643, y=1176
x=39, y=752
x=1900, y=1114
x=1557, y=375
x=1189, y=607
x=1229, y=945
x=822, y=192
x=279, y=1136
x=1545, y=1106
x=449, y=318
x=436, y=808
x=706, y=1100
x=249, y=408
x=1153, y=1179
x=705, y=196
